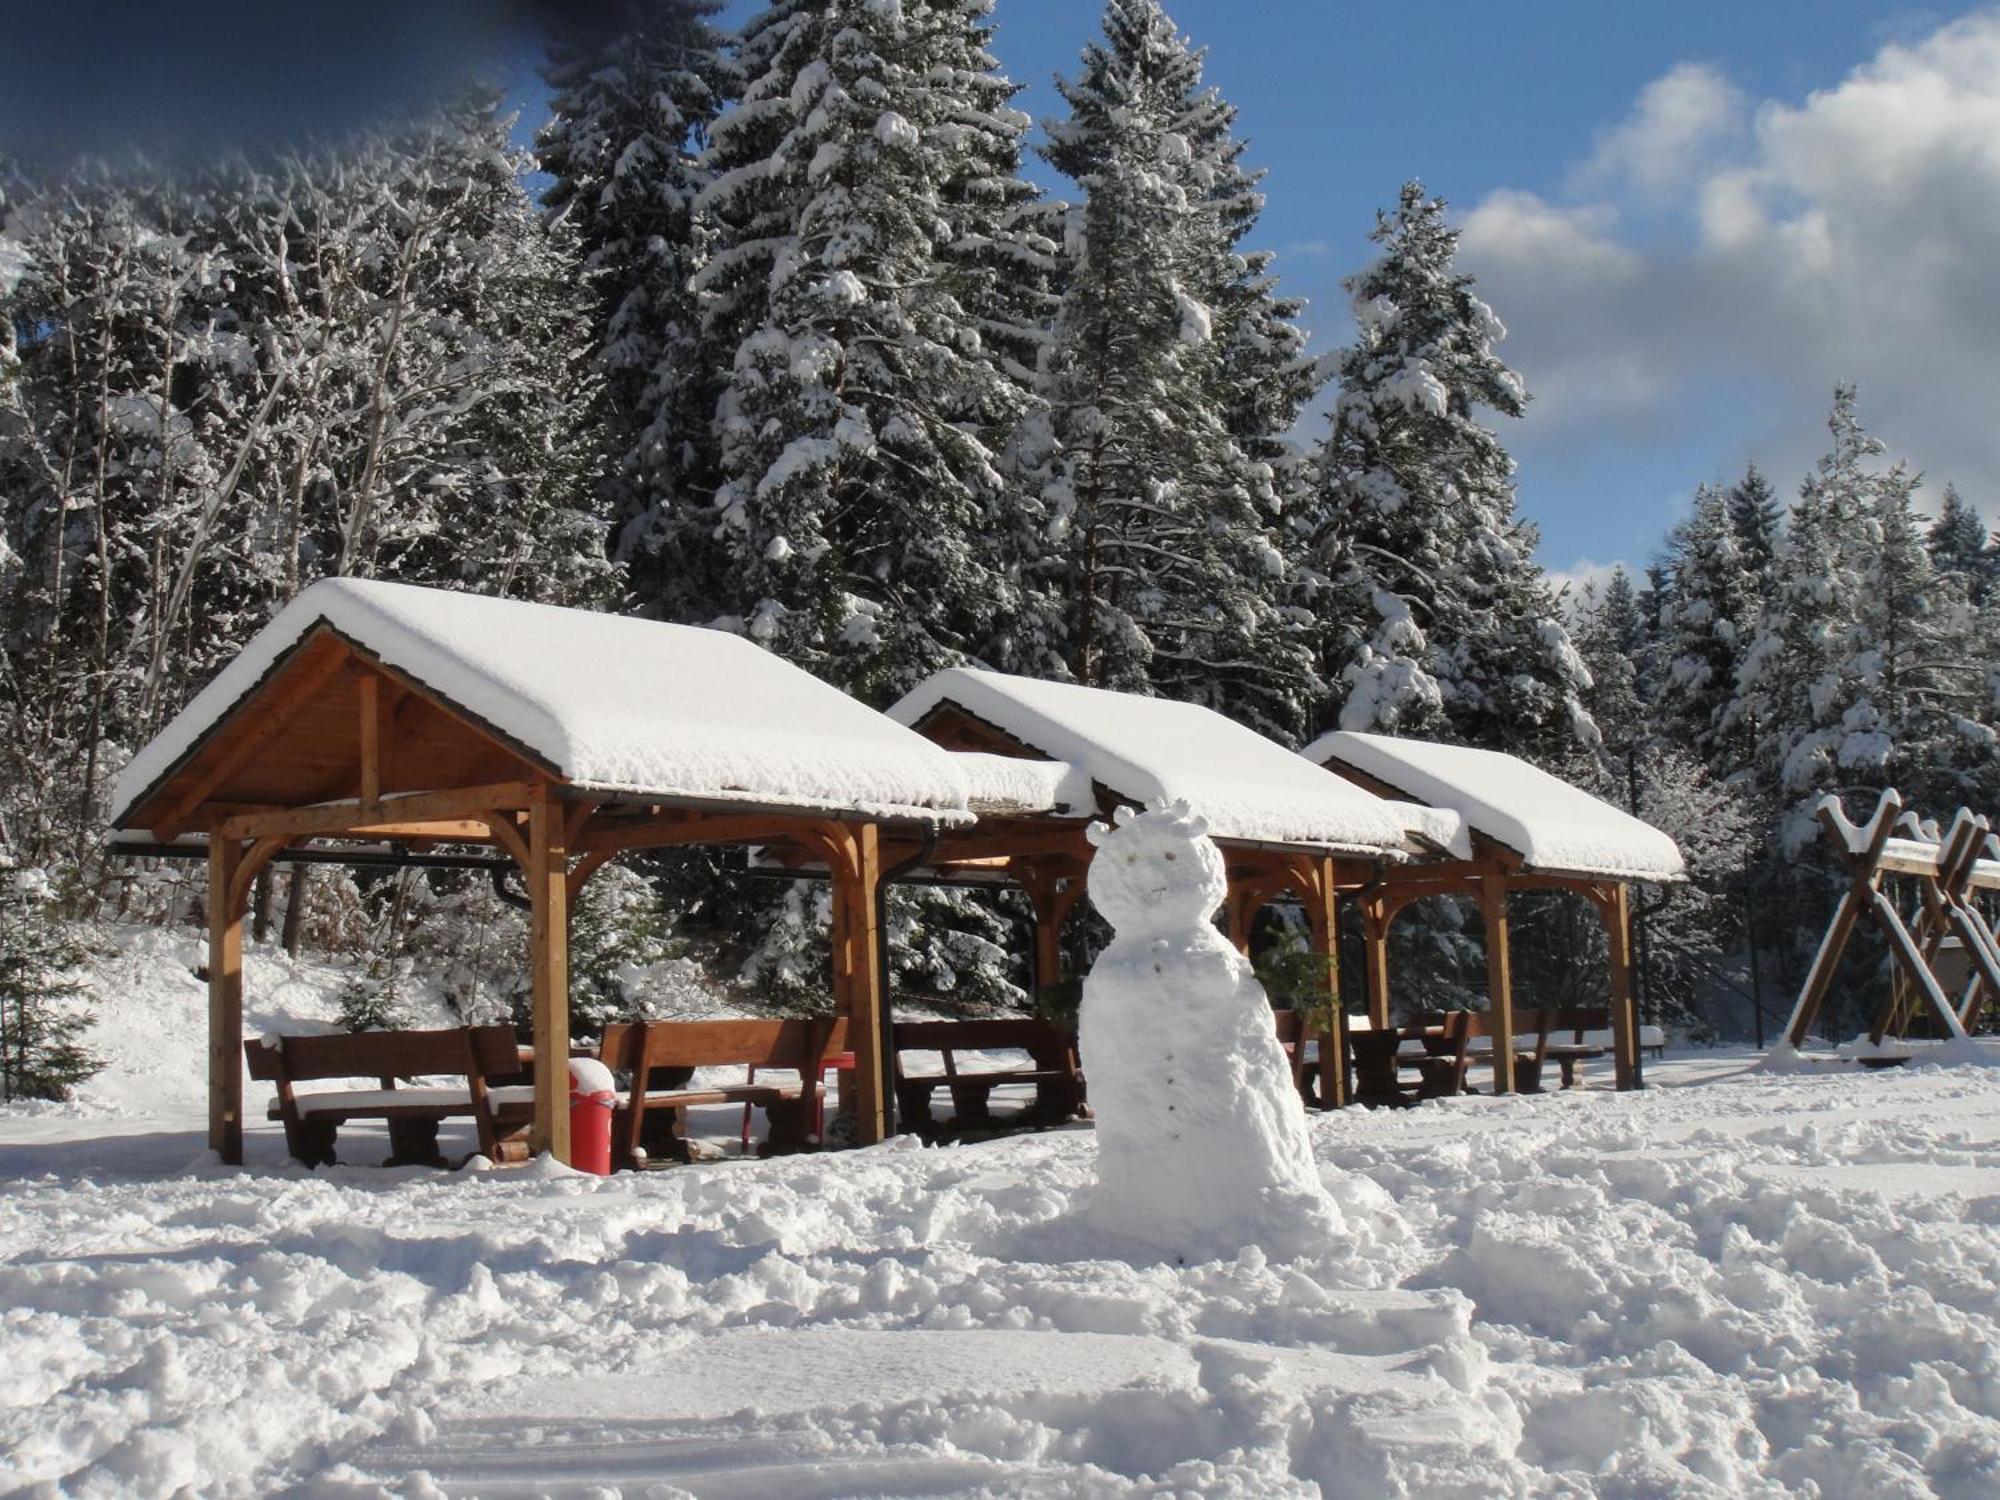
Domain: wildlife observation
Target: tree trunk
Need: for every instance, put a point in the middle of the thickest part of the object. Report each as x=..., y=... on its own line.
x=260, y=922
x=295, y=908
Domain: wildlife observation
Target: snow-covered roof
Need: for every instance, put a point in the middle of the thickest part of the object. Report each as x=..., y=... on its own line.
x=1147, y=749
x=1436, y=828
x=1552, y=825
x=611, y=703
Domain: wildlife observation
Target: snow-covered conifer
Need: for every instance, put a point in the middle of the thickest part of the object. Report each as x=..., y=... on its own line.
x=853, y=528
x=1959, y=546
x=631, y=98
x=1442, y=623
x=1707, y=618
x=1172, y=373
x=1758, y=518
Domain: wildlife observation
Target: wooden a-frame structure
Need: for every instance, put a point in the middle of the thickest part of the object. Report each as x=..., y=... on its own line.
x=316, y=738
x=1946, y=872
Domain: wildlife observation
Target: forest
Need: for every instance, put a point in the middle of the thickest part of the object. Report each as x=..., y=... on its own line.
x=771, y=332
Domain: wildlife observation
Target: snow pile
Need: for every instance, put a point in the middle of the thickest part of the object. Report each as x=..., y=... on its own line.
x=1549, y=823
x=1150, y=750
x=1727, y=1285
x=1201, y=1136
x=615, y=704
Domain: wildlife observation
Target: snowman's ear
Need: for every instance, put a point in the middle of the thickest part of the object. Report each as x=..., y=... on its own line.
x=1124, y=814
x=1097, y=833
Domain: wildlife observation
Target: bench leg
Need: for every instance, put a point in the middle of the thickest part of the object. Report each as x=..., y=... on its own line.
x=1528, y=1075
x=970, y=1107
x=913, y=1109
x=413, y=1143
x=789, y=1123
x=311, y=1141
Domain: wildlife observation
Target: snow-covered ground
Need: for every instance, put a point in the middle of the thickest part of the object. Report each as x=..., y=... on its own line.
x=1733, y=1284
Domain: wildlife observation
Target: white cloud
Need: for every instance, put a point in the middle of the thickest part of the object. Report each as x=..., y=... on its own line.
x=1678, y=120
x=1708, y=244
x=1583, y=576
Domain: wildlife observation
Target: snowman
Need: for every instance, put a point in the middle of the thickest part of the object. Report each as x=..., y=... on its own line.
x=1201, y=1137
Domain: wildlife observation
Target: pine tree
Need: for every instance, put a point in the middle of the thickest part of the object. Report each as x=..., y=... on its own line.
x=631, y=100
x=1862, y=674
x=1758, y=520
x=857, y=433
x=1707, y=617
x=41, y=1052
x=1167, y=381
x=1416, y=519
x=1959, y=547
x=1615, y=639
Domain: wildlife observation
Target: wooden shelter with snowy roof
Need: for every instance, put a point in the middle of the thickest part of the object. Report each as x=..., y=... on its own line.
x=1522, y=829
x=1042, y=760
x=374, y=712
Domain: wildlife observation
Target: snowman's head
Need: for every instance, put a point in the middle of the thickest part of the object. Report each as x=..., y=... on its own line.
x=1156, y=870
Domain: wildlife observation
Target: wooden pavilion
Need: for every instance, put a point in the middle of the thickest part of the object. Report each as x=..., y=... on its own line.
x=1043, y=760
x=1525, y=830
x=370, y=713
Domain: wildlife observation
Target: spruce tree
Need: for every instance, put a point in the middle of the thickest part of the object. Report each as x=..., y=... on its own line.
x=1707, y=617
x=857, y=433
x=1959, y=546
x=1171, y=377
x=632, y=93
x=1758, y=519
x=41, y=1050
x=1442, y=624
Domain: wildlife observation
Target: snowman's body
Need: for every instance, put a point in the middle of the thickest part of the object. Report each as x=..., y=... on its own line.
x=1202, y=1144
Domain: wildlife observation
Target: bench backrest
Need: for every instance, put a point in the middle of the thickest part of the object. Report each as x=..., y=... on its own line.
x=636, y=1046
x=1578, y=1019
x=460, y=1051
x=1048, y=1044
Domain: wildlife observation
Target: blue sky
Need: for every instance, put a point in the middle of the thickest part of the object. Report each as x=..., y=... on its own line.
x=1640, y=187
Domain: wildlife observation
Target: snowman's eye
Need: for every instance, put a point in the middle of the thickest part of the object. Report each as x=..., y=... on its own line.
x=1169, y=853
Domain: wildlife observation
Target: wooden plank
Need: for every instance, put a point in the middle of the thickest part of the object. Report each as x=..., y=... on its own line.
x=272, y=717
x=1499, y=979
x=548, y=965
x=352, y=818
x=225, y=1004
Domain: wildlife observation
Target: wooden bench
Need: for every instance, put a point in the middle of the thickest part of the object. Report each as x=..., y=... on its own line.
x=651, y=1121
x=1577, y=1021
x=1379, y=1059
x=1053, y=1071
x=477, y=1054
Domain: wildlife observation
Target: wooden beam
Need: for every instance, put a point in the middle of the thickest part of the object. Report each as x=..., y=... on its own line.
x=352, y=818
x=866, y=1001
x=277, y=712
x=436, y=830
x=1499, y=979
x=248, y=868
x=548, y=966
x=1323, y=922
x=1627, y=1061
x=1375, y=921
x=225, y=1004
x=507, y=834
x=687, y=828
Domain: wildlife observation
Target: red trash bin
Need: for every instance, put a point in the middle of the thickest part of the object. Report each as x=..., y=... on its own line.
x=593, y=1096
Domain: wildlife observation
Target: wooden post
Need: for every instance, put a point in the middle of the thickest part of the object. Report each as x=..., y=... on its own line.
x=857, y=958
x=1375, y=953
x=225, y=1002
x=1499, y=978
x=548, y=966
x=1323, y=921
x=1628, y=1066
